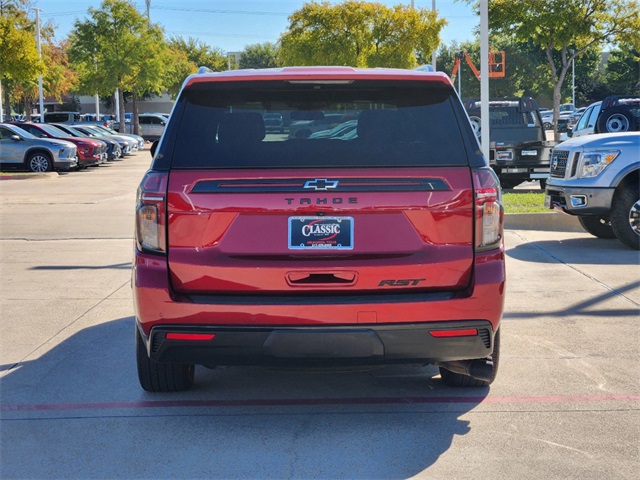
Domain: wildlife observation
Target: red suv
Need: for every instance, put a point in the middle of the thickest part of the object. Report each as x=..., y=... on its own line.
x=253, y=248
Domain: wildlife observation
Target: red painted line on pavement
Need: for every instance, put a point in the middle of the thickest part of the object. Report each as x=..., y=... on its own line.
x=283, y=402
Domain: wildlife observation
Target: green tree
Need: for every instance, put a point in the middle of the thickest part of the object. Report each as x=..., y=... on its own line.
x=109, y=50
x=259, y=55
x=199, y=53
x=360, y=34
x=179, y=67
x=564, y=30
x=148, y=72
x=184, y=57
x=623, y=71
x=19, y=58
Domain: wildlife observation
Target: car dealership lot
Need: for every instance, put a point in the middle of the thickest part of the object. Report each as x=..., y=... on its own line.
x=565, y=403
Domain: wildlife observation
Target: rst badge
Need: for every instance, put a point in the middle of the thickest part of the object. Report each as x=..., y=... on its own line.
x=321, y=233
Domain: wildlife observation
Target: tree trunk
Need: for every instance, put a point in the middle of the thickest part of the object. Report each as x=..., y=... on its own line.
x=121, y=124
x=6, y=102
x=556, y=110
x=136, y=124
x=28, y=107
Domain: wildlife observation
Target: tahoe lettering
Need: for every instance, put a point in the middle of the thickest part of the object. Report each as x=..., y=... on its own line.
x=323, y=201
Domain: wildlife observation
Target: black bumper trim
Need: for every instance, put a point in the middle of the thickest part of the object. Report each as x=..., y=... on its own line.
x=323, y=345
x=323, y=299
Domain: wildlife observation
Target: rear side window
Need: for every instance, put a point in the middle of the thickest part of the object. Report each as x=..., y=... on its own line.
x=61, y=117
x=353, y=124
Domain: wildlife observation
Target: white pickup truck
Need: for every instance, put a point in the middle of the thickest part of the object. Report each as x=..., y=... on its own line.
x=597, y=178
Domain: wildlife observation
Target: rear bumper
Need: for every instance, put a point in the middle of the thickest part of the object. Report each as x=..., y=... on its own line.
x=338, y=345
x=397, y=325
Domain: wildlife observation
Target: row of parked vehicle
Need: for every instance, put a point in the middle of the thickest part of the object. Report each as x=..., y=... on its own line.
x=613, y=114
x=42, y=147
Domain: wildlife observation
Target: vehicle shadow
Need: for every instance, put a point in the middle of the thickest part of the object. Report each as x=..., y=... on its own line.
x=587, y=308
x=249, y=422
x=591, y=250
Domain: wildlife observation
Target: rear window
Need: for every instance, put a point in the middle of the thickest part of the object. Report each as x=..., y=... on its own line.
x=511, y=116
x=355, y=124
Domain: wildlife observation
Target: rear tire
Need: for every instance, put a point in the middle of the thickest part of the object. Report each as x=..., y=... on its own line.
x=597, y=226
x=625, y=216
x=459, y=380
x=161, y=377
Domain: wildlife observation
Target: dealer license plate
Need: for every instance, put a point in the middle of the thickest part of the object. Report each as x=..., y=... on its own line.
x=320, y=233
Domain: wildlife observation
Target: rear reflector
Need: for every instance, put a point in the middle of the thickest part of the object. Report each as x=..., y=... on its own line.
x=197, y=337
x=469, y=332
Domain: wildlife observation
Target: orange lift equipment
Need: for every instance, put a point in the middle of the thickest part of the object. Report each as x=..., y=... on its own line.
x=496, y=66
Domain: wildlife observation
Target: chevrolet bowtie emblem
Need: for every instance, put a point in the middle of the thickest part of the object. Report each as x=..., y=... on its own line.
x=321, y=184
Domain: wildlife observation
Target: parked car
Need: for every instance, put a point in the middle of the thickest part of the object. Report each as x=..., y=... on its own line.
x=547, y=118
x=19, y=148
x=611, y=115
x=136, y=138
x=574, y=117
x=519, y=150
x=563, y=121
x=597, y=178
x=151, y=126
x=567, y=107
x=127, y=145
x=62, y=117
x=113, y=147
x=90, y=151
x=273, y=121
x=385, y=248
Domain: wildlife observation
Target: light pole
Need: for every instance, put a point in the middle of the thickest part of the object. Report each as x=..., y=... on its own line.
x=434, y=54
x=573, y=78
x=40, y=55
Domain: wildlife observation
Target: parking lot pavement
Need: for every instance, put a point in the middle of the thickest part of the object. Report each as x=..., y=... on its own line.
x=565, y=403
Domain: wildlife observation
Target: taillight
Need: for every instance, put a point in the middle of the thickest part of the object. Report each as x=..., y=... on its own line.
x=489, y=211
x=151, y=213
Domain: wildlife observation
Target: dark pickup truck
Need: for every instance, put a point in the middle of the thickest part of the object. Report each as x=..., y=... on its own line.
x=519, y=149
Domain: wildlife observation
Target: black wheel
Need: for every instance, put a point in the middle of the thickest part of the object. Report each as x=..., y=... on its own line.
x=161, y=377
x=617, y=119
x=597, y=226
x=625, y=216
x=509, y=183
x=39, y=162
x=460, y=380
x=548, y=126
x=543, y=184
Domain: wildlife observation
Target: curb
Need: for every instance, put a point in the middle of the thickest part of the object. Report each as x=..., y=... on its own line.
x=552, y=221
x=27, y=176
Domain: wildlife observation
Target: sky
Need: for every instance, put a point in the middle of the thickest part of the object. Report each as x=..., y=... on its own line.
x=232, y=24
